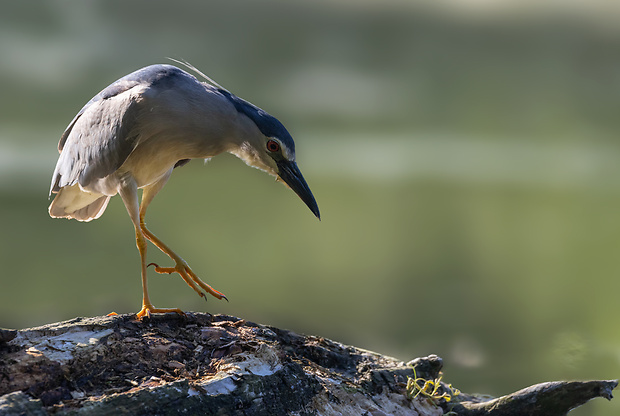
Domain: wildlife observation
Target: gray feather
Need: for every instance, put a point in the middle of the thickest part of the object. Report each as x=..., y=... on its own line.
x=104, y=132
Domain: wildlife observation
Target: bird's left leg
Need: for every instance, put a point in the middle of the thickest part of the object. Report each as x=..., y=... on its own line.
x=181, y=267
x=129, y=192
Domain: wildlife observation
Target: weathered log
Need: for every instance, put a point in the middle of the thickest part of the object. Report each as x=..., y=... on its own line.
x=213, y=364
x=550, y=399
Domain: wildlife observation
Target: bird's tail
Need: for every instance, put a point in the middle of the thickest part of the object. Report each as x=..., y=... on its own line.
x=72, y=202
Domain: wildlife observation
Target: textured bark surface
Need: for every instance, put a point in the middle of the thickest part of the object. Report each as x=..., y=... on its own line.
x=205, y=364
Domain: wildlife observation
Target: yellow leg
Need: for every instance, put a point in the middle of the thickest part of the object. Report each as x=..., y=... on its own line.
x=147, y=306
x=181, y=267
x=128, y=190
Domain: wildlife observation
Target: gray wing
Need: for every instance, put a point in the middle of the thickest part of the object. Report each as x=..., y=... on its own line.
x=104, y=132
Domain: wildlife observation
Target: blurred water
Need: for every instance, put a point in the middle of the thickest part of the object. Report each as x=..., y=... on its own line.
x=514, y=161
x=463, y=154
x=401, y=157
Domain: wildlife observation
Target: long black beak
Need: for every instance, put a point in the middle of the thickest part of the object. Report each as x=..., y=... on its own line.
x=290, y=173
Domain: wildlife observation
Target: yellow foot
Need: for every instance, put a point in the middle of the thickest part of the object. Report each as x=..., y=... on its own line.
x=190, y=278
x=147, y=310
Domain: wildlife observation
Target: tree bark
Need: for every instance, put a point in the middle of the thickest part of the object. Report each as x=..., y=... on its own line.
x=205, y=364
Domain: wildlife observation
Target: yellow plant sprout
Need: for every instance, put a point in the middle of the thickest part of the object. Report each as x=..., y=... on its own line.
x=417, y=386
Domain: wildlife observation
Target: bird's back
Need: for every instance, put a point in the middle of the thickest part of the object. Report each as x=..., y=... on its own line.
x=154, y=103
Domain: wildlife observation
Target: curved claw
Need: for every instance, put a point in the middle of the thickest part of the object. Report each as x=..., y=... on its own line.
x=207, y=299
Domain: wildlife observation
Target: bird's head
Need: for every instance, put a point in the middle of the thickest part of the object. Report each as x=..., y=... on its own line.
x=272, y=150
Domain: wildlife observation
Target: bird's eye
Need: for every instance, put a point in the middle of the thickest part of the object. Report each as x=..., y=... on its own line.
x=273, y=146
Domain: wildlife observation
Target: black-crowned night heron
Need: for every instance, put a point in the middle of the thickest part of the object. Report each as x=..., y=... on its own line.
x=133, y=134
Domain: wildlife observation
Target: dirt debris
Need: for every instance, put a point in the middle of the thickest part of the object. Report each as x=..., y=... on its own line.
x=82, y=364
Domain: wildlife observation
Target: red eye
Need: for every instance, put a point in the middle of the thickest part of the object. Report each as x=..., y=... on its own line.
x=273, y=146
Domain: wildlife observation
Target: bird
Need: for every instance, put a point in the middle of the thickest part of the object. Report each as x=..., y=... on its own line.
x=136, y=131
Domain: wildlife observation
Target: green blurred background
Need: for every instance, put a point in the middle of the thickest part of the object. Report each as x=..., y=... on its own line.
x=463, y=154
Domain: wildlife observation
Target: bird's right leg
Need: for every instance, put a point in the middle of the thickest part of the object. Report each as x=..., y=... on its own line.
x=129, y=193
